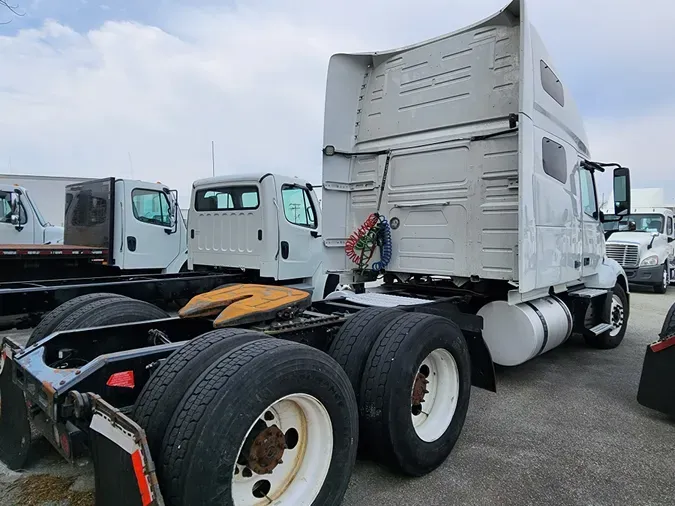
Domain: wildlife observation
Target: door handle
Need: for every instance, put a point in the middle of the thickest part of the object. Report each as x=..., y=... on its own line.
x=131, y=243
x=577, y=264
x=284, y=250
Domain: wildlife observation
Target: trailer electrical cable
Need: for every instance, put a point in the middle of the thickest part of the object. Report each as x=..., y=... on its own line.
x=385, y=244
x=360, y=247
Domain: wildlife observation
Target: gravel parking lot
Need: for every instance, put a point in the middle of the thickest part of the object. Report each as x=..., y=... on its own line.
x=564, y=428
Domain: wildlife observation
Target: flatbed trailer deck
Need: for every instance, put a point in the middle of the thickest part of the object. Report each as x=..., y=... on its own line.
x=25, y=262
x=61, y=250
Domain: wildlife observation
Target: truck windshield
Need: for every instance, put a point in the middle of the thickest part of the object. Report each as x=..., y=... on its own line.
x=643, y=223
x=38, y=215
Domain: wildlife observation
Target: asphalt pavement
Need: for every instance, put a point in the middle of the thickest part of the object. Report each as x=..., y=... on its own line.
x=563, y=429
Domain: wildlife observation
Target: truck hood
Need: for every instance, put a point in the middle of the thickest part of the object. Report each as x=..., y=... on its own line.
x=53, y=235
x=639, y=238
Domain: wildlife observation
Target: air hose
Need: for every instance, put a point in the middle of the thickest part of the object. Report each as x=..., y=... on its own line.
x=361, y=245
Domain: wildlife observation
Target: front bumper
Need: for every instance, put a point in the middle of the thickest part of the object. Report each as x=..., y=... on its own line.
x=645, y=275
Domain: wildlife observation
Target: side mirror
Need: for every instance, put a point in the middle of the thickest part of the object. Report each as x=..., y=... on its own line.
x=670, y=239
x=621, y=191
x=173, y=212
x=15, y=217
x=601, y=216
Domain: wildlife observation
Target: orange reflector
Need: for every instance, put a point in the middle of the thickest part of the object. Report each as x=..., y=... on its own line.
x=123, y=379
x=139, y=471
x=65, y=443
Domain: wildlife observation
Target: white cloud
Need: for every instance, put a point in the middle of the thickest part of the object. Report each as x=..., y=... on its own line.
x=252, y=79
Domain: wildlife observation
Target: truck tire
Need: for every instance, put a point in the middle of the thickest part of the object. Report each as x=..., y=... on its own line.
x=270, y=418
x=428, y=356
x=52, y=319
x=668, y=328
x=110, y=311
x=167, y=385
x=355, y=339
x=618, y=313
x=665, y=280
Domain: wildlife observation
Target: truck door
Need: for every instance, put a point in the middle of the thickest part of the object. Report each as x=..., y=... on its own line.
x=21, y=231
x=148, y=235
x=300, y=246
x=593, y=233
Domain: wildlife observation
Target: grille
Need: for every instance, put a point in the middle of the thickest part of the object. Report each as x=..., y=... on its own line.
x=625, y=254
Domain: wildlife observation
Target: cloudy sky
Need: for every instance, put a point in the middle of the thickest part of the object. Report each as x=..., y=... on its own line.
x=141, y=87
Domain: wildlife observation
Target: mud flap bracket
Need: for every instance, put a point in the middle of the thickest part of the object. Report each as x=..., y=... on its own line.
x=124, y=469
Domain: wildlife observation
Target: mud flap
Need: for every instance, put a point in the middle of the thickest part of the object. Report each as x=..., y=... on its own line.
x=15, y=432
x=657, y=383
x=123, y=467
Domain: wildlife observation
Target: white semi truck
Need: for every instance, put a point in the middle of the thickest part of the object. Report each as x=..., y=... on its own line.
x=21, y=221
x=643, y=242
x=459, y=170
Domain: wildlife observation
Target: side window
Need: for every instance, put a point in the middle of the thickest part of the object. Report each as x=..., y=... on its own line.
x=552, y=84
x=151, y=206
x=5, y=207
x=298, y=207
x=669, y=226
x=588, y=198
x=554, y=159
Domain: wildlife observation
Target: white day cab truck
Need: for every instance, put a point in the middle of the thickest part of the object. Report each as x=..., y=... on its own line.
x=643, y=243
x=458, y=169
x=21, y=221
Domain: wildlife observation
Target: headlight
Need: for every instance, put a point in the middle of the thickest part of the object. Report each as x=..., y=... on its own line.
x=652, y=260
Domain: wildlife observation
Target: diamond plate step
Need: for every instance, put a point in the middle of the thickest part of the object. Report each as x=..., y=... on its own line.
x=601, y=328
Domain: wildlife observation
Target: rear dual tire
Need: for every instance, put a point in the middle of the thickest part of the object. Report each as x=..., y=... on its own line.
x=166, y=387
x=384, y=353
x=415, y=393
x=51, y=321
x=263, y=418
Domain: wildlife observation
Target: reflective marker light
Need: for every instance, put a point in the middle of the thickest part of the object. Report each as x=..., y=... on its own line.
x=123, y=379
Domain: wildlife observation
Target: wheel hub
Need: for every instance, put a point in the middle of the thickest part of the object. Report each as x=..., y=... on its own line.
x=267, y=450
x=419, y=389
x=617, y=313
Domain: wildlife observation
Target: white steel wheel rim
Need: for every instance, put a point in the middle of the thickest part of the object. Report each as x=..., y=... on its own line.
x=300, y=476
x=616, y=315
x=434, y=415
